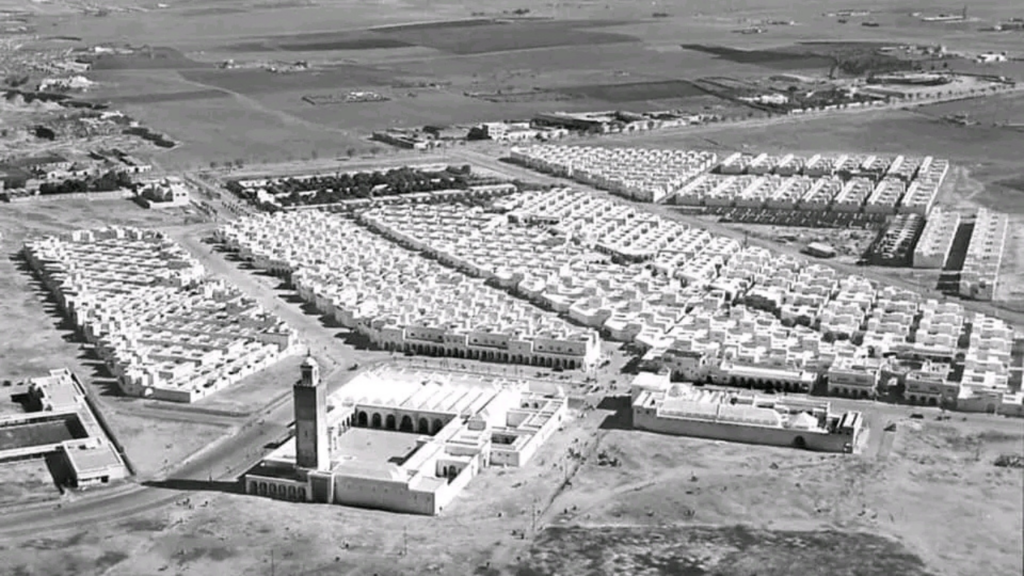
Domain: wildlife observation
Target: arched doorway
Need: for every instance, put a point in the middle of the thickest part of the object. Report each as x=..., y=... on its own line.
x=389, y=422
x=799, y=442
x=438, y=425
x=424, y=426
x=406, y=425
x=361, y=419
x=375, y=421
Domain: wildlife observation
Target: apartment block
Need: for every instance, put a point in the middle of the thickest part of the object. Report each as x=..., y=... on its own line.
x=980, y=272
x=936, y=238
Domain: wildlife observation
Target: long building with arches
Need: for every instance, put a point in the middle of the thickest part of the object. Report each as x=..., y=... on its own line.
x=405, y=440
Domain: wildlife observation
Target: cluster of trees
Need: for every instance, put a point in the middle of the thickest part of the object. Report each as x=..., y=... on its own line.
x=868, y=61
x=107, y=182
x=154, y=137
x=332, y=189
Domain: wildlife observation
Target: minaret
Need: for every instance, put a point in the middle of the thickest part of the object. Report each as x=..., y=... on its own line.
x=310, y=396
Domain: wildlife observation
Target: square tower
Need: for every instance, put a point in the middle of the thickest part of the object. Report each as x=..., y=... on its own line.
x=310, y=397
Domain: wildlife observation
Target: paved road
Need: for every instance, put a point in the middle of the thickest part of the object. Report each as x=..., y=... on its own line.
x=485, y=161
x=222, y=460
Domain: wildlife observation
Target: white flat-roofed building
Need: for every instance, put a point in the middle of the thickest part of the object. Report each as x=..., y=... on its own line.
x=904, y=168
x=886, y=196
x=789, y=193
x=931, y=385
x=980, y=273
x=408, y=303
x=820, y=166
x=790, y=165
x=163, y=329
x=686, y=410
x=647, y=175
x=936, y=239
x=821, y=194
x=88, y=455
x=853, y=195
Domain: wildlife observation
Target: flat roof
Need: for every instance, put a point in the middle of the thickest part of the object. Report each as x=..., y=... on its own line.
x=93, y=459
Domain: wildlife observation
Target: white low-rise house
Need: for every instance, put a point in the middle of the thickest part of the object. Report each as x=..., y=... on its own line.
x=641, y=174
x=931, y=385
x=162, y=328
x=536, y=276
x=407, y=303
x=856, y=377
x=886, y=196
x=167, y=192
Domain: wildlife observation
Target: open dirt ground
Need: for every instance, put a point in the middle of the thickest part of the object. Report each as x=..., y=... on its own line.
x=24, y=482
x=37, y=339
x=671, y=503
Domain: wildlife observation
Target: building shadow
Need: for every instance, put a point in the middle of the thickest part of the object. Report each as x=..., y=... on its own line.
x=101, y=376
x=355, y=340
x=621, y=417
x=185, y=485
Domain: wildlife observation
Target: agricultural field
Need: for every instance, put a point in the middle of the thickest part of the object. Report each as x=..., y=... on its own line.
x=616, y=55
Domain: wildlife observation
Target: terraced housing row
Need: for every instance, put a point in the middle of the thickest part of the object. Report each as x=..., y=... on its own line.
x=160, y=325
x=455, y=280
x=842, y=183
